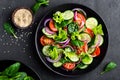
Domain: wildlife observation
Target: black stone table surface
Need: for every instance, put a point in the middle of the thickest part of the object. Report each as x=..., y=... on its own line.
x=23, y=48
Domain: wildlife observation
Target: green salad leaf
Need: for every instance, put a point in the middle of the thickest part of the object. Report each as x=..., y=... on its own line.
x=77, y=43
x=62, y=35
x=53, y=52
x=98, y=30
x=9, y=29
x=110, y=66
x=74, y=35
x=57, y=17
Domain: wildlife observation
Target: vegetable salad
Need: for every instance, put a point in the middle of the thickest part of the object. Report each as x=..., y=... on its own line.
x=71, y=40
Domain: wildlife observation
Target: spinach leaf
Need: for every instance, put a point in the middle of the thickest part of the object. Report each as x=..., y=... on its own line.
x=110, y=66
x=4, y=78
x=19, y=76
x=28, y=78
x=9, y=29
x=11, y=70
x=72, y=27
x=77, y=43
x=37, y=5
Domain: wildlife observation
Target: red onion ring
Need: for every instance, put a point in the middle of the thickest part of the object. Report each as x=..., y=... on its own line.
x=70, y=47
x=46, y=21
x=82, y=24
x=66, y=43
x=98, y=43
x=79, y=61
x=49, y=31
x=56, y=60
x=79, y=9
x=75, y=15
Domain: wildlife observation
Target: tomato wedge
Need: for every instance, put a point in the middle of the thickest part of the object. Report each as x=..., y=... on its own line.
x=69, y=65
x=96, y=52
x=85, y=47
x=90, y=32
x=52, y=26
x=45, y=41
x=80, y=18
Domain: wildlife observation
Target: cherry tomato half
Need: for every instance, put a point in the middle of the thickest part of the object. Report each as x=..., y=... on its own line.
x=96, y=52
x=69, y=65
x=52, y=26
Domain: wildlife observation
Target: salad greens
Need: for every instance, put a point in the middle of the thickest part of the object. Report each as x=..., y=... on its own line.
x=39, y=3
x=75, y=42
x=57, y=17
x=98, y=30
x=9, y=29
x=110, y=66
x=62, y=35
x=12, y=73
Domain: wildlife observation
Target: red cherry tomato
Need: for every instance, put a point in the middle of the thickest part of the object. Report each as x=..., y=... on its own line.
x=89, y=31
x=45, y=41
x=80, y=18
x=69, y=65
x=85, y=47
x=52, y=26
x=96, y=52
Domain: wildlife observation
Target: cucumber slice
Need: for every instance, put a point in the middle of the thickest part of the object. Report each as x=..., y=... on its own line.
x=91, y=50
x=72, y=56
x=68, y=14
x=98, y=40
x=47, y=34
x=57, y=64
x=87, y=59
x=45, y=50
x=84, y=37
x=91, y=22
x=82, y=66
x=44, y=32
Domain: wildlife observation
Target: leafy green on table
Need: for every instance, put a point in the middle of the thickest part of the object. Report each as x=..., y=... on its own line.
x=9, y=29
x=110, y=66
x=39, y=3
x=12, y=73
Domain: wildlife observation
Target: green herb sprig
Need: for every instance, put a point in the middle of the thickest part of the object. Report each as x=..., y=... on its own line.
x=39, y=3
x=9, y=29
x=110, y=66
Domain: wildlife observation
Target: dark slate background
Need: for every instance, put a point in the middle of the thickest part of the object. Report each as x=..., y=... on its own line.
x=23, y=49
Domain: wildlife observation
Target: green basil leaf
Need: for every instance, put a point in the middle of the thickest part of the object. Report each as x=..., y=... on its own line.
x=110, y=66
x=9, y=29
x=28, y=78
x=12, y=69
x=77, y=43
x=19, y=76
x=36, y=7
x=4, y=78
